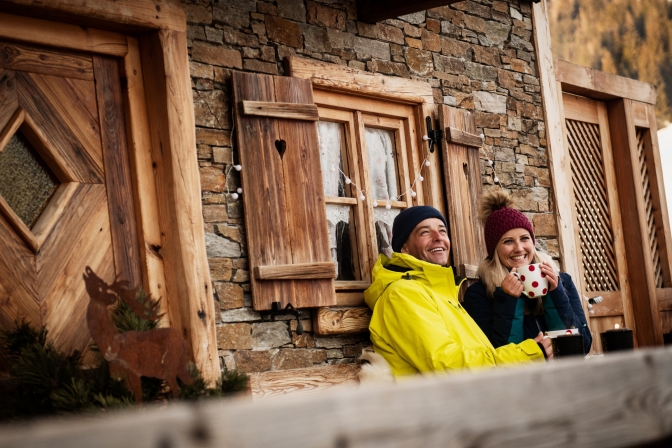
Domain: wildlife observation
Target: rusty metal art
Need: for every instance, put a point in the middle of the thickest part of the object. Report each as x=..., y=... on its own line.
x=159, y=353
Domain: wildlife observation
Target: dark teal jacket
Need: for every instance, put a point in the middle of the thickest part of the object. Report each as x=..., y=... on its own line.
x=503, y=319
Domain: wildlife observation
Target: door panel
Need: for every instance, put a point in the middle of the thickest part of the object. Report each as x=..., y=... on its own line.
x=597, y=215
x=75, y=127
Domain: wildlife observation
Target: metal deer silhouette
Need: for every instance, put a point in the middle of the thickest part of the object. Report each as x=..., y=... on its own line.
x=158, y=353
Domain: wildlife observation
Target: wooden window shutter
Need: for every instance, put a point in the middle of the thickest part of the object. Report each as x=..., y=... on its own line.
x=283, y=196
x=462, y=179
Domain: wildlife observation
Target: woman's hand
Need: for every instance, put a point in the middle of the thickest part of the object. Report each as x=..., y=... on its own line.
x=512, y=285
x=546, y=343
x=548, y=272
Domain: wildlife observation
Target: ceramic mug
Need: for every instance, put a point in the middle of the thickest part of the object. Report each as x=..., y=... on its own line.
x=535, y=283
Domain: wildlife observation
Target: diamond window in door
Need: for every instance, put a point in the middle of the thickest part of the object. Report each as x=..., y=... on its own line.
x=28, y=180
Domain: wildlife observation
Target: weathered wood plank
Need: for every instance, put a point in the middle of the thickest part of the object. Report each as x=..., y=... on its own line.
x=295, y=271
x=53, y=211
x=336, y=77
x=291, y=111
x=302, y=381
x=350, y=298
x=635, y=234
x=270, y=246
x=658, y=193
x=619, y=400
x=342, y=320
x=70, y=103
x=144, y=187
x=171, y=119
x=18, y=283
x=61, y=35
x=28, y=58
x=611, y=305
x=8, y=131
x=302, y=176
x=8, y=96
x=151, y=14
x=19, y=226
x=123, y=225
x=68, y=158
x=599, y=85
x=558, y=157
x=459, y=137
x=289, y=188
x=462, y=177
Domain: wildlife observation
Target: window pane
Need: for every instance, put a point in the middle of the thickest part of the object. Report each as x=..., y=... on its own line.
x=342, y=241
x=26, y=183
x=384, y=219
x=332, y=145
x=382, y=165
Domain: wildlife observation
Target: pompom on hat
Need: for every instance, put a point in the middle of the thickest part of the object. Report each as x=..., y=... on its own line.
x=499, y=216
x=406, y=221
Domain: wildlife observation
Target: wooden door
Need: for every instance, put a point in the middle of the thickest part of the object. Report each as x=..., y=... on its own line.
x=65, y=191
x=597, y=215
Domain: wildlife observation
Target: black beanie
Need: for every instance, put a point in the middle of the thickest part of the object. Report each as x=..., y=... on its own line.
x=406, y=221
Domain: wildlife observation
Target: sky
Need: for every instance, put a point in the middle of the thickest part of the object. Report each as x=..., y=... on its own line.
x=665, y=145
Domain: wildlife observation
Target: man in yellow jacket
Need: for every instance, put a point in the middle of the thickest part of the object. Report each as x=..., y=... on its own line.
x=418, y=323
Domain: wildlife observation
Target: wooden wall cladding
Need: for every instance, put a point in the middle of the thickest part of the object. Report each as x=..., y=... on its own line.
x=284, y=197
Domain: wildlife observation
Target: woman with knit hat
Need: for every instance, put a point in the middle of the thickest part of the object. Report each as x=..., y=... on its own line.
x=497, y=302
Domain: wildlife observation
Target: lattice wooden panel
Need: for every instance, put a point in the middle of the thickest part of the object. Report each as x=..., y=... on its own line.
x=650, y=216
x=592, y=206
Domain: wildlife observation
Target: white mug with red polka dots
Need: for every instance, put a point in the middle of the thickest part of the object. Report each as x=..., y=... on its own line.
x=535, y=283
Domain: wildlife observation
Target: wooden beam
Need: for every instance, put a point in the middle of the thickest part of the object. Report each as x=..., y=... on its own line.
x=346, y=79
x=599, y=85
x=62, y=35
x=648, y=328
x=617, y=400
x=302, y=381
x=14, y=123
x=171, y=120
x=558, y=156
x=459, y=137
x=126, y=14
x=469, y=271
x=376, y=10
x=299, y=271
x=144, y=187
x=330, y=321
x=291, y=111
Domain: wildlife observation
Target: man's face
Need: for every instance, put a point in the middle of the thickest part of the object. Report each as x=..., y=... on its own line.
x=429, y=242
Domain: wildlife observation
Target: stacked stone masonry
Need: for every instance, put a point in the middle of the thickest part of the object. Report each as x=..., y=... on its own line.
x=477, y=55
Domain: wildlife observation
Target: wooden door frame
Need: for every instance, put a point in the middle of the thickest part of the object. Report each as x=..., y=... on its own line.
x=629, y=105
x=161, y=136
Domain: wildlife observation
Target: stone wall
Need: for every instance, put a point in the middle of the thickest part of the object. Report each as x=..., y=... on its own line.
x=476, y=55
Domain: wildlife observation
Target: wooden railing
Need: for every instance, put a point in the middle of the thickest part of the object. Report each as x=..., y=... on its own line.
x=618, y=400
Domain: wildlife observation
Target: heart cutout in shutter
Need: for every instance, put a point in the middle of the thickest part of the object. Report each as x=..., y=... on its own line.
x=281, y=146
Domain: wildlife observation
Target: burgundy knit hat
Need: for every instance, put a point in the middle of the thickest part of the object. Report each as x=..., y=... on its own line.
x=499, y=216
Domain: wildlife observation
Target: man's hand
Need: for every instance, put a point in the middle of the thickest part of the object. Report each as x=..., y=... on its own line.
x=546, y=343
x=512, y=285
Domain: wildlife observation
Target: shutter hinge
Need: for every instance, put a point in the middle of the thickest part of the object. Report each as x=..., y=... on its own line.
x=433, y=136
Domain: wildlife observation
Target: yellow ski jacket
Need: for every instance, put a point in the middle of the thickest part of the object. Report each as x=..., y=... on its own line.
x=418, y=324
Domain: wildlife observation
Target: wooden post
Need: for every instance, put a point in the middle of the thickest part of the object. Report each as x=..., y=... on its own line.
x=167, y=83
x=558, y=157
x=635, y=231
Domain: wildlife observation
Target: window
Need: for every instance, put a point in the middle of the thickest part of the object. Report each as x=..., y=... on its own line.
x=372, y=168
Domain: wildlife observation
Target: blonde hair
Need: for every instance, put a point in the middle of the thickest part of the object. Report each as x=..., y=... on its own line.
x=491, y=272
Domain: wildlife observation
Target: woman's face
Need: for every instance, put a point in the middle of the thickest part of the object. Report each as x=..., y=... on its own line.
x=515, y=248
